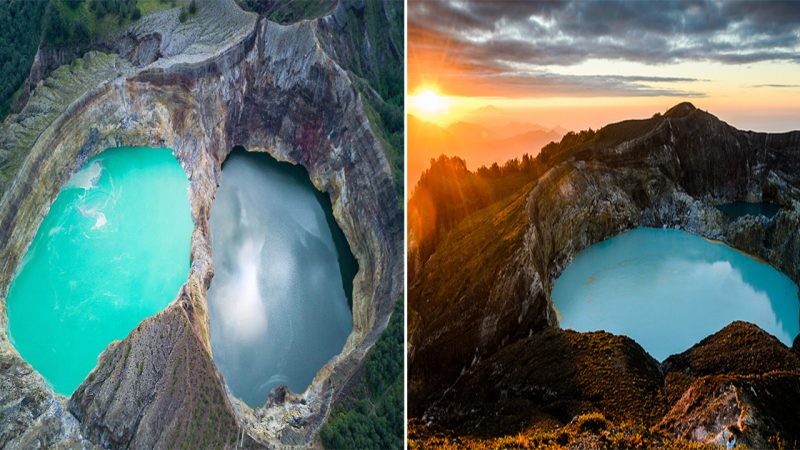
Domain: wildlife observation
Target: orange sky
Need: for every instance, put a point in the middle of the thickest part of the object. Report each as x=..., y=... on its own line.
x=461, y=60
x=729, y=92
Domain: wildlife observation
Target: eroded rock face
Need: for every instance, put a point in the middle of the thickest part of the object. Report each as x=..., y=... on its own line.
x=741, y=379
x=667, y=171
x=223, y=78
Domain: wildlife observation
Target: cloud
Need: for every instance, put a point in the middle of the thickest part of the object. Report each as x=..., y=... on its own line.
x=571, y=31
x=789, y=86
x=549, y=84
x=516, y=42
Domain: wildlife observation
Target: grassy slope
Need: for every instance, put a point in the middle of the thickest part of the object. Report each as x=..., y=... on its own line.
x=373, y=417
x=587, y=431
x=51, y=98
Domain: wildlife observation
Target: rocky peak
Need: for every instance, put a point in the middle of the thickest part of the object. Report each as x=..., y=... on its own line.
x=682, y=109
x=740, y=347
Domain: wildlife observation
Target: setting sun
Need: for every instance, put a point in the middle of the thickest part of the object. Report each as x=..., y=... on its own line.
x=428, y=104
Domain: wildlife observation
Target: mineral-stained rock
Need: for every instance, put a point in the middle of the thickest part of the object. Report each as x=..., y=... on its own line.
x=760, y=410
x=222, y=78
x=739, y=378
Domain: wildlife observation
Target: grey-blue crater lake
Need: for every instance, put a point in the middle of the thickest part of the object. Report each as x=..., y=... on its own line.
x=668, y=289
x=739, y=209
x=283, y=274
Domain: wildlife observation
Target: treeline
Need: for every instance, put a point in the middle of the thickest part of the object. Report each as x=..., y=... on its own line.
x=374, y=41
x=20, y=29
x=285, y=12
x=123, y=9
x=529, y=163
x=374, y=420
x=447, y=192
x=67, y=24
x=61, y=30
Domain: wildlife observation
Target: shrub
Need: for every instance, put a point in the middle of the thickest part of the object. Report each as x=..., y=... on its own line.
x=591, y=423
x=80, y=33
x=74, y=4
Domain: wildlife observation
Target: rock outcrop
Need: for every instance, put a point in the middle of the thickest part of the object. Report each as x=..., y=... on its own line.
x=223, y=78
x=487, y=285
x=741, y=379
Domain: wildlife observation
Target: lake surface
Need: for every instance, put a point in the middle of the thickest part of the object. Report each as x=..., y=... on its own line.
x=738, y=209
x=668, y=290
x=112, y=250
x=278, y=302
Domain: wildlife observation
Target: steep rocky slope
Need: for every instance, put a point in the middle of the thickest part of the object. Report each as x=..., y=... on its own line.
x=222, y=78
x=486, y=287
x=741, y=376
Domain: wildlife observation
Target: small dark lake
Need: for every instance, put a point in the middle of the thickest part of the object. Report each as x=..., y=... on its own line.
x=739, y=209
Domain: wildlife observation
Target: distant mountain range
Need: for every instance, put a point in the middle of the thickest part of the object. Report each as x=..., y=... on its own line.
x=479, y=145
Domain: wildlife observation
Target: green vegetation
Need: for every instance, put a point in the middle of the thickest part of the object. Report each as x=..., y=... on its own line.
x=375, y=418
x=77, y=23
x=58, y=24
x=381, y=24
x=20, y=28
x=588, y=431
x=381, y=113
x=62, y=87
x=447, y=193
x=288, y=11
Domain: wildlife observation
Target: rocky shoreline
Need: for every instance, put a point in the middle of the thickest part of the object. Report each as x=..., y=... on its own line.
x=223, y=78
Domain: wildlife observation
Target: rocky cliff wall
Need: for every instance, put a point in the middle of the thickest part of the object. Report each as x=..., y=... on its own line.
x=224, y=78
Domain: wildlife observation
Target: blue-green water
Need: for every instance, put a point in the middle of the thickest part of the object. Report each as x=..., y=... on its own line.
x=112, y=250
x=278, y=301
x=738, y=209
x=668, y=290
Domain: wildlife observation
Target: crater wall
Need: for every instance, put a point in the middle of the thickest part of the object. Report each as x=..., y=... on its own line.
x=669, y=171
x=244, y=81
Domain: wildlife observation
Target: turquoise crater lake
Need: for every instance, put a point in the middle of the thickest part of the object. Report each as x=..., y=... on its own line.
x=668, y=289
x=112, y=250
x=283, y=274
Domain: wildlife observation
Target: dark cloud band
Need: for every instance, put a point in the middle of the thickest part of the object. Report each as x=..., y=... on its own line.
x=494, y=38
